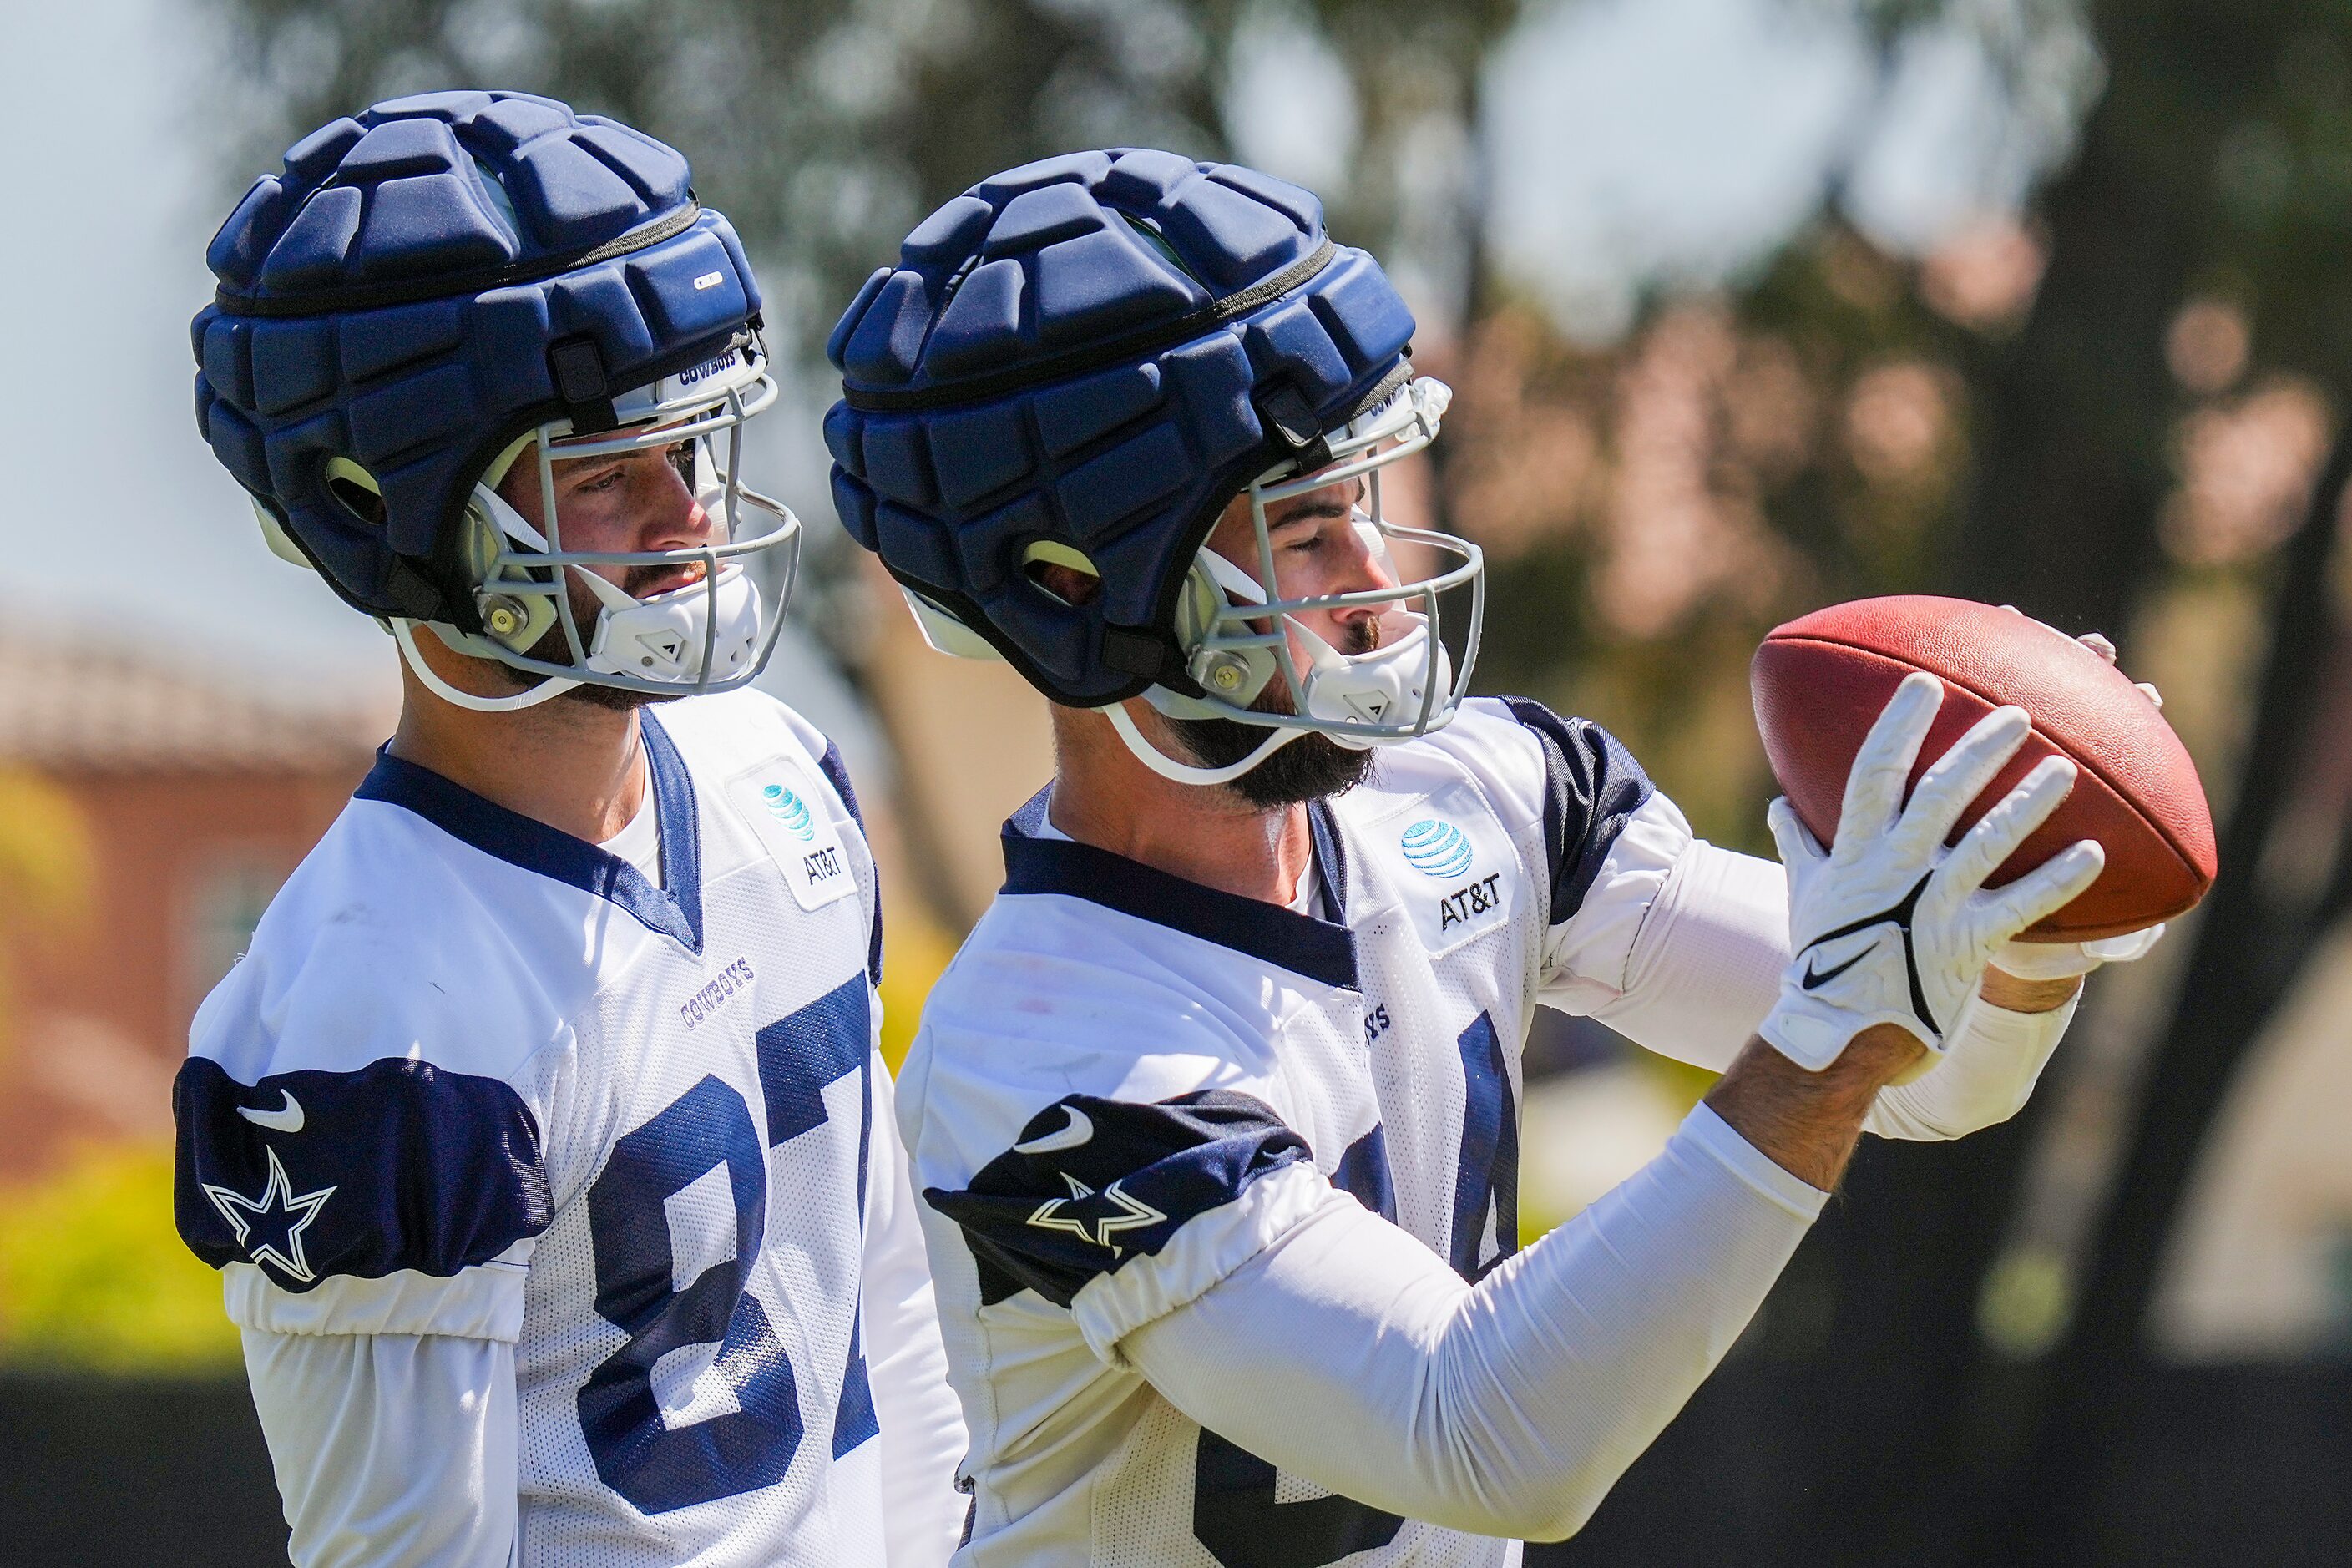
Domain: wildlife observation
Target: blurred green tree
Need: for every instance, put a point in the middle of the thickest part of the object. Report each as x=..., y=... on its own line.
x=93, y=1275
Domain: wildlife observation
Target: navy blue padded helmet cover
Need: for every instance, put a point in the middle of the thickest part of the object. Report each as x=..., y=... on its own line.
x=393, y=296
x=1099, y=350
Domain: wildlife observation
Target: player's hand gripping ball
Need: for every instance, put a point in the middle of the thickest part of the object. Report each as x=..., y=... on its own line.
x=1821, y=680
x=1891, y=924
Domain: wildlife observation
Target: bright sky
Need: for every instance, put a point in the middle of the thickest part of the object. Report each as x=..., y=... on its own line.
x=1631, y=139
x=1677, y=141
x=117, y=522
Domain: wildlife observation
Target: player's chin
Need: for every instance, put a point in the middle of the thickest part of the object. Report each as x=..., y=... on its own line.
x=592, y=695
x=554, y=648
x=1309, y=768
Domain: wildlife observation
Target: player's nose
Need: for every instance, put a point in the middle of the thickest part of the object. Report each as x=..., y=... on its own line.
x=676, y=518
x=1366, y=553
x=1361, y=562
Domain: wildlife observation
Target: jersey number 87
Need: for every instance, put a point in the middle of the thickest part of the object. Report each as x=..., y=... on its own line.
x=656, y=1467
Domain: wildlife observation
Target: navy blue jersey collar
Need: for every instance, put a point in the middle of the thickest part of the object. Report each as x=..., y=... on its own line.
x=674, y=911
x=1302, y=944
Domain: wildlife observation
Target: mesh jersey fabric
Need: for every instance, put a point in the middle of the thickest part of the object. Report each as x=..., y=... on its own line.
x=1100, y=1009
x=628, y=1129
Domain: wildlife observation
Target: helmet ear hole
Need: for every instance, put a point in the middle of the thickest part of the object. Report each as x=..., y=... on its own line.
x=516, y=620
x=1231, y=675
x=355, y=491
x=1062, y=570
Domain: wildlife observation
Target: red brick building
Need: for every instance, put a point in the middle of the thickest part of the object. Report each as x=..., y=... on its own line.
x=156, y=813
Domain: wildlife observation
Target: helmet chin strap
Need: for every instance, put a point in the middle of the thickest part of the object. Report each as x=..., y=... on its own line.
x=1169, y=768
x=403, y=632
x=664, y=625
x=403, y=629
x=1363, y=688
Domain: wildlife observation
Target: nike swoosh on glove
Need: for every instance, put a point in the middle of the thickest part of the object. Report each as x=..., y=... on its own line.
x=1892, y=927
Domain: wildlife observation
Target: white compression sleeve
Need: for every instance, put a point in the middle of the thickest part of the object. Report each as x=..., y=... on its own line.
x=1705, y=966
x=1506, y=1409
x=923, y=1435
x=392, y=1450
x=1986, y=1077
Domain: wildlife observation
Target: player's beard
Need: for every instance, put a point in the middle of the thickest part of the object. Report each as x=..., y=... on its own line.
x=1312, y=767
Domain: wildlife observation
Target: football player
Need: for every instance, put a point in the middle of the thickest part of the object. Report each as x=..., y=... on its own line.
x=1215, y=1115
x=541, y=1135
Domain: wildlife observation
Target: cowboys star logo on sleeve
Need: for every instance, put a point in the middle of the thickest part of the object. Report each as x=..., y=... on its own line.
x=1116, y=1210
x=270, y=1227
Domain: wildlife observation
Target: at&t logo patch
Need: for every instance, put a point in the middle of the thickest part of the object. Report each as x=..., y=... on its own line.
x=1464, y=878
x=785, y=812
x=1437, y=849
x=1464, y=905
x=791, y=810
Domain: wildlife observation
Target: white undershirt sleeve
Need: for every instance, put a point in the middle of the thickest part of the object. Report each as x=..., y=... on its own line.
x=923, y=1436
x=392, y=1450
x=1349, y=1353
x=1705, y=965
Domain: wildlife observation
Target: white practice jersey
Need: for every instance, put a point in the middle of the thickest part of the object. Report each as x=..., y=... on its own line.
x=1128, y=1085
x=478, y=1078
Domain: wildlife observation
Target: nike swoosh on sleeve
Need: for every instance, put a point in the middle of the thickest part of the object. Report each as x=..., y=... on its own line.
x=1080, y=1130
x=286, y=1117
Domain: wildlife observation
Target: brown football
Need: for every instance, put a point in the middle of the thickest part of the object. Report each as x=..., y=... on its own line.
x=1820, y=682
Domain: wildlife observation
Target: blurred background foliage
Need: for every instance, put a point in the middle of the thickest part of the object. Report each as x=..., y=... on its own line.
x=91, y=1273
x=2106, y=384
x=93, y=1276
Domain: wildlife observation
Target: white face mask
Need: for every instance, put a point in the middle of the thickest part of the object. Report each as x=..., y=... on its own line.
x=711, y=625
x=1357, y=692
x=1405, y=688
x=711, y=635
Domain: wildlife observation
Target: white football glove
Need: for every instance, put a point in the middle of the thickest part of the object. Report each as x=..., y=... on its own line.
x=1891, y=927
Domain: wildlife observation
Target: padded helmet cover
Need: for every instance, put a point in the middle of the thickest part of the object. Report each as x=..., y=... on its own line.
x=1100, y=350
x=428, y=280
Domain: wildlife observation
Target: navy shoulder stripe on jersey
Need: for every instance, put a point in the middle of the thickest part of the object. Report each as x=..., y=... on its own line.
x=311, y=1174
x=1330, y=859
x=836, y=772
x=1302, y=944
x=1092, y=1183
x=675, y=909
x=1592, y=784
